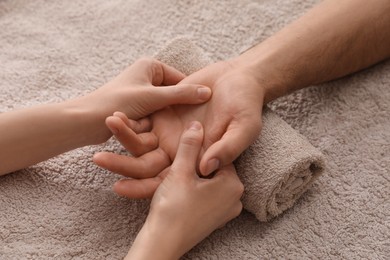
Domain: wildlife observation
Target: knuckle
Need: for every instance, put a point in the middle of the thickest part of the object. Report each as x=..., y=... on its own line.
x=237, y=209
x=239, y=189
x=255, y=126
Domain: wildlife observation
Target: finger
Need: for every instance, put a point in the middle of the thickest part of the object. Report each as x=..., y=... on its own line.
x=139, y=189
x=156, y=72
x=164, y=74
x=236, y=139
x=189, y=148
x=136, y=189
x=228, y=176
x=138, y=126
x=145, y=166
x=135, y=144
x=181, y=94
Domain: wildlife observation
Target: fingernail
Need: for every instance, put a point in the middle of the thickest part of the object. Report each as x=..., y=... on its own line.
x=212, y=165
x=195, y=125
x=204, y=93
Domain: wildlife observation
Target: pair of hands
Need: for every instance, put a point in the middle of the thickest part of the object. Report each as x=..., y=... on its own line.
x=231, y=118
x=185, y=207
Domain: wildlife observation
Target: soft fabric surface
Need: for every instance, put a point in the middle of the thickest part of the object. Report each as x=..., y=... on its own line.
x=281, y=164
x=64, y=209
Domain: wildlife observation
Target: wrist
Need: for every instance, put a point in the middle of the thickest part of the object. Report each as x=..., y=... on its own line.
x=156, y=241
x=267, y=77
x=90, y=117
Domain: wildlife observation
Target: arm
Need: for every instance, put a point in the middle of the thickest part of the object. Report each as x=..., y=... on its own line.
x=186, y=208
x=332, y=40
x=32, y=135
x=35, y=134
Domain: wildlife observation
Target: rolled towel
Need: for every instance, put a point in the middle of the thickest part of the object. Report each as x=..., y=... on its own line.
x=279, y=166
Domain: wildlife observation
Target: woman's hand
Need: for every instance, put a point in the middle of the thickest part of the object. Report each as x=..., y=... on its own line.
x=138, y=92
x=31, y=135
x=186, y=208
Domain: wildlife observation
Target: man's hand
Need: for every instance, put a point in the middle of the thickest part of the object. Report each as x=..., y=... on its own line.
x=327, y=43
x=232, y=118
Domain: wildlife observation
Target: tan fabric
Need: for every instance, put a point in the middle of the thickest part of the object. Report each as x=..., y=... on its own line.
x=279, y=167
x=51, y=50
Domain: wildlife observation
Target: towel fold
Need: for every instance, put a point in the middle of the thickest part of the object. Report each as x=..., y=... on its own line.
x=279, y=166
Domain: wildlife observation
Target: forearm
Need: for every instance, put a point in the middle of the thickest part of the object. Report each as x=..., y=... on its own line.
x=31, y=135
x=332, y=40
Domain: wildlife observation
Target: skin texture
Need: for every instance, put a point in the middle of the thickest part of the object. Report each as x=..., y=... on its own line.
x=51, y=129
x=186, y=208
x=332, y=40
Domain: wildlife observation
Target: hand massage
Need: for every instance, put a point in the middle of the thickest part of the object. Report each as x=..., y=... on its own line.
x=199, y=139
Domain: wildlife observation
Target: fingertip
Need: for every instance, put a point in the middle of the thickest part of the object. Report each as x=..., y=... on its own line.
x=119, y=114
x=117, y=124
x=95, y=158
x=189, y=147
x=208, y=166
x=195, y=125
x=116, y=187
x=204, y=93
x=99, y=159
x=112, y=124
x=122, y=117
x=169, y=75
x=123, y=188
x=193, y=135
x=119, y=188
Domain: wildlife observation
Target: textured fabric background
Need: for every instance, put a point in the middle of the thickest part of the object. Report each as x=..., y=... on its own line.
x=64, y=209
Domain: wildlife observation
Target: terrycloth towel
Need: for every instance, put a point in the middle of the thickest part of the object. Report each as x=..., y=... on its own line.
x=51, y=50
x=281, y=164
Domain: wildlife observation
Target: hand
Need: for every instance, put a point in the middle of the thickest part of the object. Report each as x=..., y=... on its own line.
x=38, y=133
x=133, y=91
x=186, y=208
x=232, y=117
x=232, y=121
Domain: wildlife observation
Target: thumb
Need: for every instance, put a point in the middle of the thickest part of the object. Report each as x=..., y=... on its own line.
x=236, y=139
x=188, y=150
x=161, y=97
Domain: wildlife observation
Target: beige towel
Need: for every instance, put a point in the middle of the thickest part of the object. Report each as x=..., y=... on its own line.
x=279, y=167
